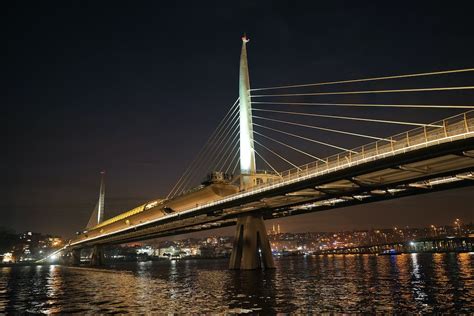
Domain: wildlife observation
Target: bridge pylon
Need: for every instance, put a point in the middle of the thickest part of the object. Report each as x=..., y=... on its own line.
x=75, y=258
x=247, y=151
x=97, y=216
x=251, y=246
x=97, y=257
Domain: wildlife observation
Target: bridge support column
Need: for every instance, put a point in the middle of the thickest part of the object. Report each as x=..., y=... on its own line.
x=63, y=260
x=75, y=258
x=251, y=246
x=97, y=258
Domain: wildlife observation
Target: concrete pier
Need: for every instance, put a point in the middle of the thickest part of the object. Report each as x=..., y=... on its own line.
x=251, y=246
x=97, y=258
x=75, y=258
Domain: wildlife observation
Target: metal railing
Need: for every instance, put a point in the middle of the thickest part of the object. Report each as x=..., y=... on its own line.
x=450, y=129
x=455, y=127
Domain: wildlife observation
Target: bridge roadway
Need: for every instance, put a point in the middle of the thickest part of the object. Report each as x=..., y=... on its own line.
x=419, y=161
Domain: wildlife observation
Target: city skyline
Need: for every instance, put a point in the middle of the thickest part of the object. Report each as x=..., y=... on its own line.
x=277, y=226
x=31, y=246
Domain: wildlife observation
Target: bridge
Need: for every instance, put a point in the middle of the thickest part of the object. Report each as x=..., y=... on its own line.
x=430, y=157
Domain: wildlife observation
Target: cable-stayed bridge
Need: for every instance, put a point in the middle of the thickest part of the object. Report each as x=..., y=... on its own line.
x=419, y=157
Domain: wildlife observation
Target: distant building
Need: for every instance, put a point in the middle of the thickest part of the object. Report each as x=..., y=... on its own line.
x=284, y=245
x=7, y=257
x=207, y=251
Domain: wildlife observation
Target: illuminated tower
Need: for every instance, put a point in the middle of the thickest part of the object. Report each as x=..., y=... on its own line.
x=100, y=208
x=97, y=216
x=251, y=246
x=247, y=153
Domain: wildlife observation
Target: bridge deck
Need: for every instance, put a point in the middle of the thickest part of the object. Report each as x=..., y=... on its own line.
x=418, y=161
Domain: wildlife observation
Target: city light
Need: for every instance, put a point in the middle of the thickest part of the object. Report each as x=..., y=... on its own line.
x=8, y=257
x=142, y=89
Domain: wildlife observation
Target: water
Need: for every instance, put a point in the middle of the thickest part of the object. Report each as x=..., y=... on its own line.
x=415, y=283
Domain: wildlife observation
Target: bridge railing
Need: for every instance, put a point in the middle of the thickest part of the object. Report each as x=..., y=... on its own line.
x=450, y=129
x=455, y=127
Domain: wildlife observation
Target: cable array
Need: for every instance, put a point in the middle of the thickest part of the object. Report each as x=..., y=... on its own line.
x=221, y=151
x=423, y=74
x=216, y=147
x=270, y=122
x=351, y=118
x=416, y=106
x=364, y=92
x=322, y=128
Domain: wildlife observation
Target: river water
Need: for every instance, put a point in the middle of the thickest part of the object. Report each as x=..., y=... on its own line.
x=339, y=283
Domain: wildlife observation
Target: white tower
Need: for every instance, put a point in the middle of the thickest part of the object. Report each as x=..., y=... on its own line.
x=100, y=208
x=97, y=216
x=247, y=153
x=251, y=246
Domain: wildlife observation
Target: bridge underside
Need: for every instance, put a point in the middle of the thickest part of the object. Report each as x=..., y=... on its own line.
x=440, y=167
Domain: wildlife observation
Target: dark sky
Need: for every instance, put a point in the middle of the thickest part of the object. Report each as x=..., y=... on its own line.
x=137, y=87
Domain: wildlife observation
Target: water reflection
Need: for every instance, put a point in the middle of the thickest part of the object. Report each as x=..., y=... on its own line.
x=466, y=279
x=419, y=283
x=54, y=291
x=4, y=277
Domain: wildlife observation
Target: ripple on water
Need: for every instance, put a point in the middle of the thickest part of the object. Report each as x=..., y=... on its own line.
x=364, y=284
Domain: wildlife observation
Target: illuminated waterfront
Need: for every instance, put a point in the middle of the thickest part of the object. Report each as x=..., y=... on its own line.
x=350, y=283
x=237, y=157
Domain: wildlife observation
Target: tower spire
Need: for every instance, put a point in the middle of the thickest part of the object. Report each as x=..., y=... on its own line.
x=247, y=153
x=100, y=211
x=97, y=216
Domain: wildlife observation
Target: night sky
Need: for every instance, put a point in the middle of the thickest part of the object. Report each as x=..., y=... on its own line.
x=137, y=88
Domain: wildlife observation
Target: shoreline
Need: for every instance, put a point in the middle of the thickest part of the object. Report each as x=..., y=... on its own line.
x=26, y=264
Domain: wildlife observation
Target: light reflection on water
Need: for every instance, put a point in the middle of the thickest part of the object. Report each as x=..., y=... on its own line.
x=350, y=283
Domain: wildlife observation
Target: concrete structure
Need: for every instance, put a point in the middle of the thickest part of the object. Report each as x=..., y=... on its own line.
x=97, y=216
x=247, y=151
x=251, y=247
x=430, y=158
x=75, y=257
x=97, y=257
x=449, y=244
